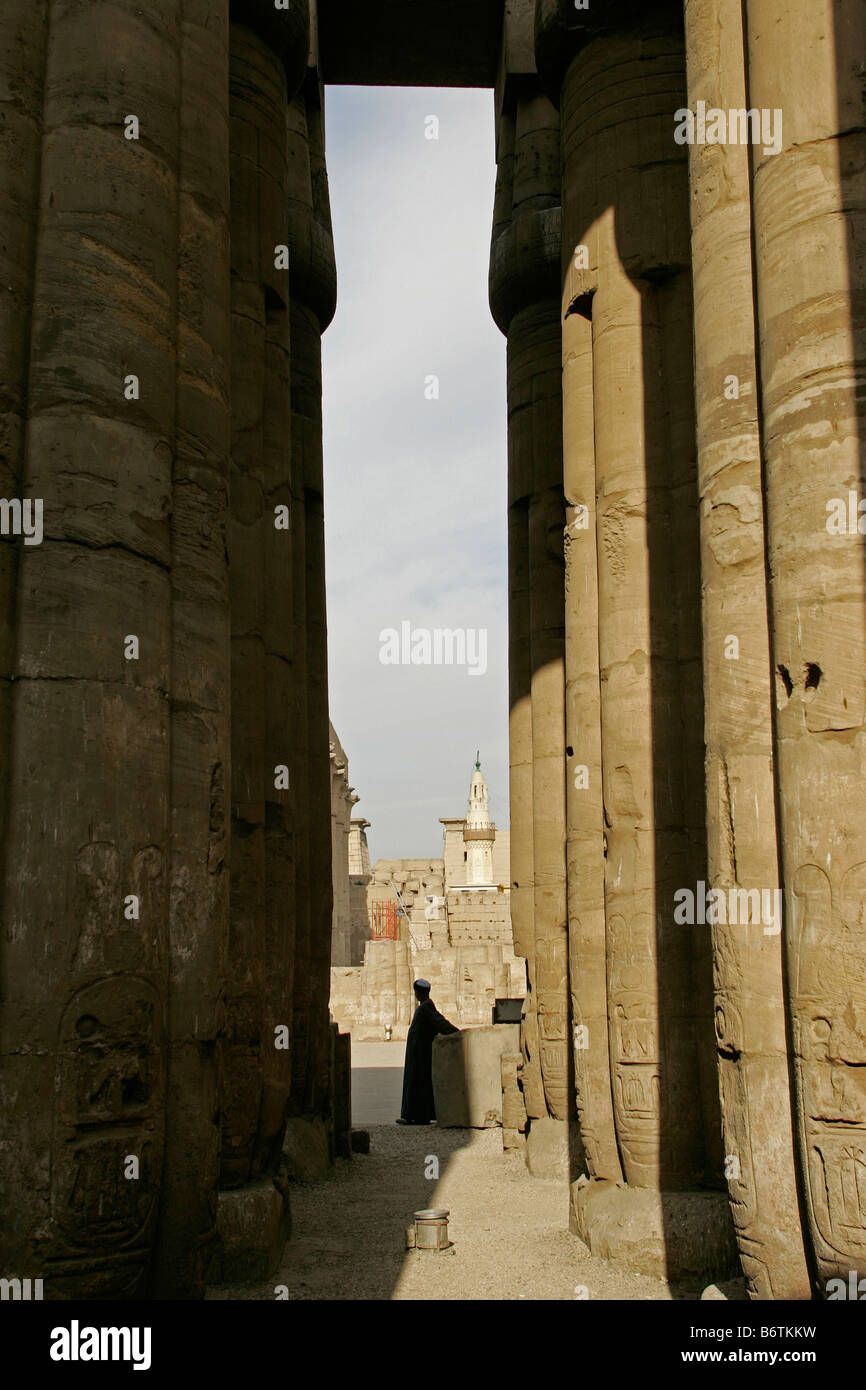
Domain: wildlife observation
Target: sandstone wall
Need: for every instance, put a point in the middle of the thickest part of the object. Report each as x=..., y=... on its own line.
x=466, y=980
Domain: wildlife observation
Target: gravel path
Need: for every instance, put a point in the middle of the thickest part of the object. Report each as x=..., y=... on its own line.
x=509, y=1230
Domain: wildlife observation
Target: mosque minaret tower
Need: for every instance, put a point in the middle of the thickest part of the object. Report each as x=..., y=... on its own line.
x=478, y=832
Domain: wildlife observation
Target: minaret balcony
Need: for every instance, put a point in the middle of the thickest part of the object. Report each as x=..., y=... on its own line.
x=484, y=832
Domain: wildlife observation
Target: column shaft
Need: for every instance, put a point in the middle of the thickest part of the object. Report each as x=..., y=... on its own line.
x=584, y=797
x=742, y=846
x=86, y=855
x=200, y=740
x=810, y=253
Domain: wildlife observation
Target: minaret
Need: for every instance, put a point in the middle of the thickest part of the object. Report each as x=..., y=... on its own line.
x=478, y=833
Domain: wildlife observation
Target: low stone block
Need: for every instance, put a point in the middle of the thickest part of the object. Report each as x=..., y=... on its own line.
x=547, y=1149
x=305, y=1149
x=467, y=1075
x=670, y=1235
x=253, y=1223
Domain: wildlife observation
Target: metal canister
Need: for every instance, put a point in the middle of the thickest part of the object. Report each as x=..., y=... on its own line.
x=431, y=1229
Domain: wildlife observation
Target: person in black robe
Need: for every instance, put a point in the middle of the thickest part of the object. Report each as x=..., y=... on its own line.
x=418, y=1107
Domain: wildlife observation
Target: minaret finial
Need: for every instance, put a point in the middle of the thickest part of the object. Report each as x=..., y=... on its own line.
x=478, y=760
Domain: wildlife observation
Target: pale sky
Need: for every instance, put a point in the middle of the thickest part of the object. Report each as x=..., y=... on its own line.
x=415, y=488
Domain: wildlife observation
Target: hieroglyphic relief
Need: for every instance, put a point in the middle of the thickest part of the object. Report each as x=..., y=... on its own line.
x=551, y=965
x=634, y=1045
x=829, y=1020
x=110, y=1087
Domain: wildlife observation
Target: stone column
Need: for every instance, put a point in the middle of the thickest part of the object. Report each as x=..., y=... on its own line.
x=741, y=815
x=23, y=39
x=810, y=251
x=266, y=63
x=85, y=859
x=620, y=77
x=524, y=301
x=584, y=799
x=200, y=746
x=313, y=299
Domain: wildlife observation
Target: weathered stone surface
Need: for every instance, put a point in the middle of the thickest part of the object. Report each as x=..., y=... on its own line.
x=305, y=1148
x=810, y=252
x=467, y=1085
x=256, y=1073
x=85, y=989
x=742, y=848
x=513, y=1106
x=524, y=265
x=254, y=1224
x=312, y=285
x=547, y=1151
x=672, y=1235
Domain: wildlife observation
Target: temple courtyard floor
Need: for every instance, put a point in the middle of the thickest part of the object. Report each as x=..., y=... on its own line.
x=508, y=1229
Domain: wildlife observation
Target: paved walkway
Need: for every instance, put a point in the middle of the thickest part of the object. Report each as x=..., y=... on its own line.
x=377, y=1082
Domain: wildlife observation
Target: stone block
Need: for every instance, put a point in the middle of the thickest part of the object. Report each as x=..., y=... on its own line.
x=467, y=1075
x=305, y=1149
x=513, y=1139
x=547, y=1148
x=669, y=1235
x=254, y=1223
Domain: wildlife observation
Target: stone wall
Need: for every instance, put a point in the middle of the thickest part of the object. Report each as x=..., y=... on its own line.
x=350, y=863
x=466, y=980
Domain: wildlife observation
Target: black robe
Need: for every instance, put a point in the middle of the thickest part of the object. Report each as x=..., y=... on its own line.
x=418, y=1107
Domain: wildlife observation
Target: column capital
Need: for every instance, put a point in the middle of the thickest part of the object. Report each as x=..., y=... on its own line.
x=287, y=32
x=562, y=30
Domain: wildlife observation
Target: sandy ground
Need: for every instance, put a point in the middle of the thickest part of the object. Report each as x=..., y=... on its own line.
x=509, y=1230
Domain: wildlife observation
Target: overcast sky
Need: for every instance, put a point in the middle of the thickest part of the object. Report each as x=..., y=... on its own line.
x=415, y=488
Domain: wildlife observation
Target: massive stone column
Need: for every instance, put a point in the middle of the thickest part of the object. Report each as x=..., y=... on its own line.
x=519, y=676
x=313, y=298
x=625, y=227
x=742, y=849
x=584, y=793
x=810, y=256
x=87, y=783
x=524, y=301
x=266, y=64
x=23, y=40
x=200, y=747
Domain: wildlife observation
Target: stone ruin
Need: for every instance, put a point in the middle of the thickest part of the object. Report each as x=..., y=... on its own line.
x=453, y=929
x=678, y=265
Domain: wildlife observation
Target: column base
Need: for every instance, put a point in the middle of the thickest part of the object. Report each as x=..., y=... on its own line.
x=254, y=1223
x=306, y=1152
x=669, y=1235
x=547, y=1149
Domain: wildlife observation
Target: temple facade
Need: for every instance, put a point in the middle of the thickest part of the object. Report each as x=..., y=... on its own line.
x=437, y=919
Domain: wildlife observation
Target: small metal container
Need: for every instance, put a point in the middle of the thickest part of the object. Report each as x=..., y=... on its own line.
x=431, y=1229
